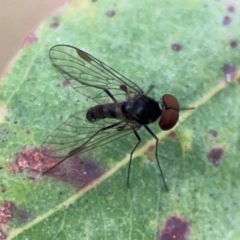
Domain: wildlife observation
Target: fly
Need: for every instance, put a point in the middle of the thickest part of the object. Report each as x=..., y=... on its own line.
x=121, y=108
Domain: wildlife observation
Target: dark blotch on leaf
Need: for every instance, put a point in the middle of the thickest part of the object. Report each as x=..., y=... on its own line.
x=233, y=44
x=215, y=155
x=229, y=71
x=76, y=171
x=3, y=190
x=231, y=9
x=175, y=228
x=214, y=133
x=227, y=20
x=54, y=25
x=176, y=47
x=110, y=13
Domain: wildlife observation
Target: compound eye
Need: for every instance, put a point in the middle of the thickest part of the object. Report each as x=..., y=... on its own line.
x=170, y=102
x=168, y=119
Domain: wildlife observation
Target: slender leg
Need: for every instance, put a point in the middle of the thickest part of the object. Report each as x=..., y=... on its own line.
x=80, y=148
x=156, y=155
x=130, y=161
x=110, y=95
x=149, y=89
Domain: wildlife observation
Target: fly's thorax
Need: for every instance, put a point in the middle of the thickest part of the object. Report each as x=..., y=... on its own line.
x=142, y=109
x=101, y=111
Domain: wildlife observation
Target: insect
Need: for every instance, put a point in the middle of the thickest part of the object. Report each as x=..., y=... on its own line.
x=121, y=108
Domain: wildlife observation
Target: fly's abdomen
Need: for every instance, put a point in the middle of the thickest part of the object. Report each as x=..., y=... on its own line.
x=111, y=110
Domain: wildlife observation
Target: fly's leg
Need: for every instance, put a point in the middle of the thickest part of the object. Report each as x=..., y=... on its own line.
x=110, y=95
x=80, y=148
x=150, y=88
x=156, y=155
x=130, y=161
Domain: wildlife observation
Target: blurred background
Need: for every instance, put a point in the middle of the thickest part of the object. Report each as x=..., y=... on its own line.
x=17, y=20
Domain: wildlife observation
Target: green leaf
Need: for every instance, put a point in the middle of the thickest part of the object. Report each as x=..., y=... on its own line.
x=185, y=48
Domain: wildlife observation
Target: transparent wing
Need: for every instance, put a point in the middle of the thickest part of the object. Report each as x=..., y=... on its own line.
x=77, y=135
x=85, y=72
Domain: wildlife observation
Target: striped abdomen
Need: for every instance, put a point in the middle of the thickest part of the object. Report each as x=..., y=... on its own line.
x=110, y=110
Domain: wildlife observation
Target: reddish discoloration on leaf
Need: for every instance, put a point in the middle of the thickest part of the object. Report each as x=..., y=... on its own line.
x=74, y=171
x=215, y=155
x=175, y=228
x=65, y=83
x=33, y=160
x=8, y=212
x=172, y=135
x=30, y=39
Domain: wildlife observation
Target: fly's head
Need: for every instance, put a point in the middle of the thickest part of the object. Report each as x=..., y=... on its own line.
x=170, y=112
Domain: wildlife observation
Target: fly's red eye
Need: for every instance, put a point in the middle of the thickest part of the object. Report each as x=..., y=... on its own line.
x=168, y=119
x=170, y=112
x=170, y=102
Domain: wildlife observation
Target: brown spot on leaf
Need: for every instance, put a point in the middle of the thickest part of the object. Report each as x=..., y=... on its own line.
x=3, y=189
x=233, y=44
x=231, y=9
x=66, y=83
x=214, y=133
x=54, y=24
x=227, y=20
x=229, y=72
x=175, y=228
x=172, y=135
x=110, y=13
x=28, y=132
x=150, y=153
x=215, y=155
x=176, y=47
